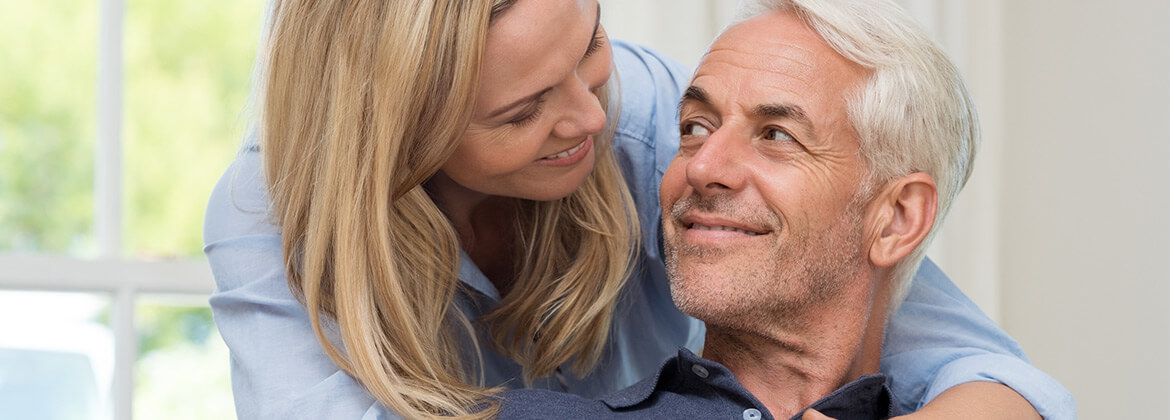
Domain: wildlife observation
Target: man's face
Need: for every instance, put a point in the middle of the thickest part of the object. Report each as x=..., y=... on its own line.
x=761, y=207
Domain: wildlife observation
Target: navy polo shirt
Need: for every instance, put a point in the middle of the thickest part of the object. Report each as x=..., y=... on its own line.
x=688, y=386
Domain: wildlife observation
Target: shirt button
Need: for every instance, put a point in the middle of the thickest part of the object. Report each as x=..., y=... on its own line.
x=752, y=414
x=700, y=371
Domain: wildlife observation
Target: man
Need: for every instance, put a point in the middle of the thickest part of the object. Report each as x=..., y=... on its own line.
x=818, y=152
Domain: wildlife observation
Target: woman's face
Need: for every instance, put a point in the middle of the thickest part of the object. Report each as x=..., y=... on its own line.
x=536, y=113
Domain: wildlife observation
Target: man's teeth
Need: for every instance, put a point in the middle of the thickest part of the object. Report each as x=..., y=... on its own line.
x=725, y=228
x=566, y=153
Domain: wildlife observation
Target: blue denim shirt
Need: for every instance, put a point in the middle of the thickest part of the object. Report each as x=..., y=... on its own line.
x=938, y=338
x=688, y=386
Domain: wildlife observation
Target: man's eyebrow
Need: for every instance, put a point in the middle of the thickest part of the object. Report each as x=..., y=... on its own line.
x=787, y=111
x=694, y=93
x=780, y=110
x=790, y=111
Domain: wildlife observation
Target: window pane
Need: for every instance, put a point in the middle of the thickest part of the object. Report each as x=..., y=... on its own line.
x=183, y=369
x=188, y=66
x=48, y=63
x=57, y=361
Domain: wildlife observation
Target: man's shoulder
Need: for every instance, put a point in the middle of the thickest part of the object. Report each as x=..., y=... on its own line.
x=546, y=404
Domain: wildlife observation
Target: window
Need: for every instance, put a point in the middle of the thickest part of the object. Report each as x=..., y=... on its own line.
x=118, y=117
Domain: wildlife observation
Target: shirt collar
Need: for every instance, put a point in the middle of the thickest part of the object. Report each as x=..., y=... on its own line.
x=470, y=275
x=864, y=398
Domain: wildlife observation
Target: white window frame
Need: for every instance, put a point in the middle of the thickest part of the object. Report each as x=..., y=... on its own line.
x=123, y=279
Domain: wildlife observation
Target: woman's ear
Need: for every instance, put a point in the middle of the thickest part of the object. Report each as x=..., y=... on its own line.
x=908, y=204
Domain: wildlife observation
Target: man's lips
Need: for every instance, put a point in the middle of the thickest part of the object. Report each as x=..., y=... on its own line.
x=715, y=224
x=723, y=228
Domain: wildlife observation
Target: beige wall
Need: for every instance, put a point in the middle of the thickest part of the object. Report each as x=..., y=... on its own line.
x=1085, y=204
x=1063, y=233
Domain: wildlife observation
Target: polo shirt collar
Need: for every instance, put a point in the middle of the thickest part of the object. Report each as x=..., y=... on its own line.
x=866, y=397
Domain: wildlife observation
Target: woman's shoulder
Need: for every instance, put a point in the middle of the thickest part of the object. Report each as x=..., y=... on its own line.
x=651, y=84
x=641, y=63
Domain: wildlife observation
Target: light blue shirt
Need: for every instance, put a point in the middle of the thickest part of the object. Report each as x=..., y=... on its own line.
x=938, y=339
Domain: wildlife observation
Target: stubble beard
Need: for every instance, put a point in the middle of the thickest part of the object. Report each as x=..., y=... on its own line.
x=776, y=288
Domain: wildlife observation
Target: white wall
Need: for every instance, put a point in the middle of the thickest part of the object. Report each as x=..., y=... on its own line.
x=680, y=28
x=1063, y=233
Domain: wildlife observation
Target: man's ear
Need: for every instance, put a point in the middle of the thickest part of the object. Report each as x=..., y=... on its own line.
x=906, y=210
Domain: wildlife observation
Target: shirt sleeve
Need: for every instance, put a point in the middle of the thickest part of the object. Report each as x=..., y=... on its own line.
x=646, y=138
x=279, y=370
x=939, y=338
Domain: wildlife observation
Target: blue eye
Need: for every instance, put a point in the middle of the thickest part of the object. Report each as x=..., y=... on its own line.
x=776, y=134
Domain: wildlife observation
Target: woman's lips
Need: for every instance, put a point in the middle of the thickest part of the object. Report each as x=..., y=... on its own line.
x=571, y=156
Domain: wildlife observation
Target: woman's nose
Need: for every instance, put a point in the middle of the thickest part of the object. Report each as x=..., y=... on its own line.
x=584, y=114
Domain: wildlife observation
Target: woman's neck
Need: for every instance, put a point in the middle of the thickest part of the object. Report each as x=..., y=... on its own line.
x=485, y=225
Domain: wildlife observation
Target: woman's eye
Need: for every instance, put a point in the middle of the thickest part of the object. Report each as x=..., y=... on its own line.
x=776, y=134
x=693, y=129
x=595, y=45
x=523, y=120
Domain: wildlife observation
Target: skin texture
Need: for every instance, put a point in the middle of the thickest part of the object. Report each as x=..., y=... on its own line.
x=536, y=99
x=543, y=63
x=775, y=236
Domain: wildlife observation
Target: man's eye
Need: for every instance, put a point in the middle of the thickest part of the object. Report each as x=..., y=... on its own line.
x=776, y=134
x=694, y=129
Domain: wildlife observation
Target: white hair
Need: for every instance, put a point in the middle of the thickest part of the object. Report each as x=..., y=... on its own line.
x=914, y=114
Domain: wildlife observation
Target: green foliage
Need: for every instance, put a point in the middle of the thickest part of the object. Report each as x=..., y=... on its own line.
x=182, y=368
x=187, y=67
x=165, y=327
x=48, y=64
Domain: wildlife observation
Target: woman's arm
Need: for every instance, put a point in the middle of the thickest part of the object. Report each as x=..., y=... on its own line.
x=939, y=339
x=972, y=400
x=278, y=368
x=976, y=401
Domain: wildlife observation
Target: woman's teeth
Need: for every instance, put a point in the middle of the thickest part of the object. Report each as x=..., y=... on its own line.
x=566, y=153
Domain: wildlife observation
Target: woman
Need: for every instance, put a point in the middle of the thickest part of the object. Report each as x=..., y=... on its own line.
x=452, y=212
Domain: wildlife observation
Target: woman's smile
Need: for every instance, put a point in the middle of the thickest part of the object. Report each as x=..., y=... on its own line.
x=571, y=156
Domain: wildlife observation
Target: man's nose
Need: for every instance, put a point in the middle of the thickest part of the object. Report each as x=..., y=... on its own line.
x=718, y=165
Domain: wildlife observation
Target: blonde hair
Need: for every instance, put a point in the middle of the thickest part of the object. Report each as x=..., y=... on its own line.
x=914, y=114
x=363, y=102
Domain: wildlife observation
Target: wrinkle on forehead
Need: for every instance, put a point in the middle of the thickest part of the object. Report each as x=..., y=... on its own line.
x=782, y=59
x=765, y=56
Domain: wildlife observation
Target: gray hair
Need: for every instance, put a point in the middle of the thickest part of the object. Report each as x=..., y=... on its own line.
x=914, y=114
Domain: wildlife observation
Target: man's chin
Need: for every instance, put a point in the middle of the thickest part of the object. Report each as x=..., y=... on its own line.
x=703, y=290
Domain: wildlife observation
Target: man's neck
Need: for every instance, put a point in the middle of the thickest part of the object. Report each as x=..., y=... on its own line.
x=791, y=364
